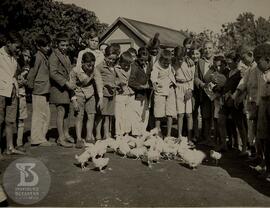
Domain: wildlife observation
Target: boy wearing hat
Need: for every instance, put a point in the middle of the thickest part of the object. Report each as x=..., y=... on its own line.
x=61, y=87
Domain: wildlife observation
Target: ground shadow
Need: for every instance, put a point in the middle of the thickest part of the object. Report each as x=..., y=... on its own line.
x=237, y=167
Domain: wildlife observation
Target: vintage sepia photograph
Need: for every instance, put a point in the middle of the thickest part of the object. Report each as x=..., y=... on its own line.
x=134, y=103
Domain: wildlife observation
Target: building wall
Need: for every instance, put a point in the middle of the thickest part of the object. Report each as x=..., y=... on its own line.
x=124, y=37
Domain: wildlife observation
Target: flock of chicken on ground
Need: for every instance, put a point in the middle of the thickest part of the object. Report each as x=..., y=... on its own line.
x=149, y=148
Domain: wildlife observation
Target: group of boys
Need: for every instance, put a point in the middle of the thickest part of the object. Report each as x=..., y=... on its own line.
x=123, y=92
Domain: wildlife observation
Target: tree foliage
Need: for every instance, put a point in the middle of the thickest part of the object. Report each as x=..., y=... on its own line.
x=32, y=17
x=245, y=30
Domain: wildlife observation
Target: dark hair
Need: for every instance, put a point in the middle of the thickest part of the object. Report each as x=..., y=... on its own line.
x=61, y=37
x=125, y=57
x=196, y=46
x=92, y=32
x=207, y=42
x=43, y=40
x=132, y=50
x=14, y=37
x=188, y=40
x=116, y=47
x=179, y=52
x=245, y=49
x=88, y=57
x=143, y=51
x=166, y=54
x=233, y=55
x=21, y=59
x=262, y=50
x=219, y=58
x=111, y=50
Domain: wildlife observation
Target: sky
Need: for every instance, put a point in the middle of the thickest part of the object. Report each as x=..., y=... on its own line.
x=194, y=15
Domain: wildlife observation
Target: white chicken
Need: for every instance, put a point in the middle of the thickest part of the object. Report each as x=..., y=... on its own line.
x=146, y=135
x=137, y=152
x=123, y=148
x=154, y=131
x=183, y=146
x=132, y=143
x=83, y=158
x=150, y=142
x=110, y=142
x=100, y=148
x=159, y=145
x=215, y=155
x=115, y=145
x=100, y=163
x=152, y=156
x=170, y=140
x=169, y=150
x=139, y=142
x=193, y=157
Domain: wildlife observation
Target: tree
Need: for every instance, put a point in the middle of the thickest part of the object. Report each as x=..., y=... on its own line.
x=246, y=30
x=33, y=17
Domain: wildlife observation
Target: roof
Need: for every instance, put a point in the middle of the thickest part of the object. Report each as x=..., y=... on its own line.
x=144, y=31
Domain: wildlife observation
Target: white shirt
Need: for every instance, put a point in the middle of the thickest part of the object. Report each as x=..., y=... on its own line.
x=8, y=67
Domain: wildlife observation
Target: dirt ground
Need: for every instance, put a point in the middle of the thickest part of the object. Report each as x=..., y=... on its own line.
x=128, y=182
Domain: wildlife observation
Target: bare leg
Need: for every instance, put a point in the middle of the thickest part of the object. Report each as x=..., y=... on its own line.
x=78, y=127
x=180, y=124
x=189, y=125
x=9, y=135
x=60, y=121
x=20, y=133
x=107, y=127
x=99, y=119
x=169, y=125
x=69, y=112
x=90, y=125
x=157, y=123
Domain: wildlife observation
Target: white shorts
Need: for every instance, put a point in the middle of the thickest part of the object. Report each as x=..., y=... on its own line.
x=182, y=106
x=165, y=105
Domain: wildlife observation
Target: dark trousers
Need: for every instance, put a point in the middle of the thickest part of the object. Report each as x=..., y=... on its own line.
x=238, y=117
x=207, y=110
x=266, y=150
